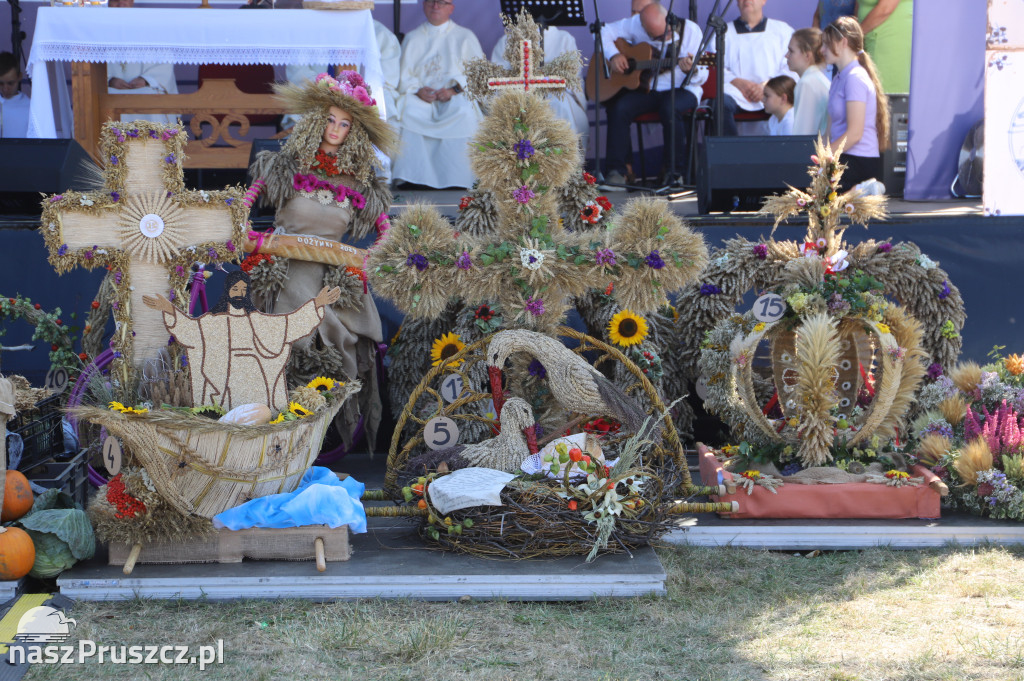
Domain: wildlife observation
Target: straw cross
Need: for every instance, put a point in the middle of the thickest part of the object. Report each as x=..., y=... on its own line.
x=143, y=226
x=524, y=79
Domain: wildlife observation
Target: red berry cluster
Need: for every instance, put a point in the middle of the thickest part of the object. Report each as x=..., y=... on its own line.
x=127, y=505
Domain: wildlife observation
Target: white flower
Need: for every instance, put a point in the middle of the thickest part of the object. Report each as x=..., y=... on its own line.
x=325, y=197
x=531, y=258
x=205, y=195
x=722, y=259
x=926, y=262
x=85, y=202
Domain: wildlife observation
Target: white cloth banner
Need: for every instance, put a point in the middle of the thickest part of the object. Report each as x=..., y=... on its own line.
x=190, y=36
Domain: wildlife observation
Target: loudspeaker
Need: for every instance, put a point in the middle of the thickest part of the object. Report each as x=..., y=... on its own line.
x=736, y=173
x=894, y=159
x=31, y=166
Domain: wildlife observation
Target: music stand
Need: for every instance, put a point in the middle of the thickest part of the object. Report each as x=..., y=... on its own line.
x=548, y=12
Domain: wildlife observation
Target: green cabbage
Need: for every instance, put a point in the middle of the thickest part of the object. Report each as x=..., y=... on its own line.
x=63, y=536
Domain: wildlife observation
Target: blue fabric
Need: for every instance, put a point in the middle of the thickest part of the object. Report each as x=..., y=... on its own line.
x=320, y=499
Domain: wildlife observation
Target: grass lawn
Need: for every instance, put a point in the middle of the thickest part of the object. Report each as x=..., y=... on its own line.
x=951, y=614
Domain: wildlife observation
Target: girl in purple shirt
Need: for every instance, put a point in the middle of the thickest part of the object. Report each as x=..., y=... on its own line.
x=858, y=109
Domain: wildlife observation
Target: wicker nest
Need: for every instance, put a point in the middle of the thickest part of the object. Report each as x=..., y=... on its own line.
x=535, y=519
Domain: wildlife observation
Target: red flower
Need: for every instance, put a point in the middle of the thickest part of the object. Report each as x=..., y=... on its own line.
x=590, y=213
x=328, y=163
x=604, y=202
x=82, y=356
x=58, y=322
x=573, y=505
x=464, y=203
x=12, y=301
x=575, y=455
x=985, y=489
x=37, y=306
x=54, y=347
x=590, y=179
x=95, y=304
x=483, y=313
x=253, y=260
x=611, y=287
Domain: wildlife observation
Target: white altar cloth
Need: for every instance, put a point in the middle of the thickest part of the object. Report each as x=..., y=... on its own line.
x=190, y=36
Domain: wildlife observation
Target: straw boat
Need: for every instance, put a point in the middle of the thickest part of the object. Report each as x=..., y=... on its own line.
x=202, y=467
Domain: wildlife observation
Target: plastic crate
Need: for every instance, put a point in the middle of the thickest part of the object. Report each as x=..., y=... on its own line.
x=41, y=430
x=71, y=476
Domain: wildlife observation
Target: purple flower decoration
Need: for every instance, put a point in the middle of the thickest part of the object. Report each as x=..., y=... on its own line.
x=113, y=160
x=761, y=251
x=417, y=260
x=117, y=277
x=168, y=134
x=212, y=252
x=170, y=296
x=654, y=260
x=152, y=133
x=523, y=194
x=229, y=200
x=117, y=134
x=605, y=256
x=537, y=369
x=55, y=199
x=170, y=194
x=117, y=354
x=535, y=306
x=884, y=248
x=524, y=149
x=934, y=371
x=464, y=262
x=115, y=196
x=791, y=468
x=63, y=250
x=133, y=133
x=116, y=305
x=709, y=290
x=170, y=158
x=945, y=290
x=180, y=269
x=230, y=246
x=170, y=341
x=88, y=255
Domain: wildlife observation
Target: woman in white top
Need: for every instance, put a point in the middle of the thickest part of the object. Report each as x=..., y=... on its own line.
x=810, y=101
x=778, y=101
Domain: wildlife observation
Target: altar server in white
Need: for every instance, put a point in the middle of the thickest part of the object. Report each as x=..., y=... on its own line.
x=13, y=103
x=437, y=118
x=126, y=78
x=569, y=107
x=755, y=51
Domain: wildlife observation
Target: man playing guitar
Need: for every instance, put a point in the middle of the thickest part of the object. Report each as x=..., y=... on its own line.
x=649, y=25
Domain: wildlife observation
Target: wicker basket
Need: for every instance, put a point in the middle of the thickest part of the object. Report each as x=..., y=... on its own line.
x=203, y=467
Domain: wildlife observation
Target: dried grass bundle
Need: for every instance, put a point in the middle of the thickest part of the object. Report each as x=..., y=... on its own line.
x=932, y=448
x=907, y=331
x=953, y=409
x=817, y=350
x=420, y=232
x=669, y=254
x=975, y=457
x=966, y=376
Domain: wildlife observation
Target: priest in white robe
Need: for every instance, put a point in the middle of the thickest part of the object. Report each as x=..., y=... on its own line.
x=126, y=78
x=13, y=103
x=570, y=107
x=437, y=118
x=755, y=51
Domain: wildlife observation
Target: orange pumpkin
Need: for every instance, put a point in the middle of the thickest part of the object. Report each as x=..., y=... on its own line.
x=17, y=553
x=17, y=497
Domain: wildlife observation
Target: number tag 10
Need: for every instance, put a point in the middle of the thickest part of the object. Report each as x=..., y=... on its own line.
x=769, y=308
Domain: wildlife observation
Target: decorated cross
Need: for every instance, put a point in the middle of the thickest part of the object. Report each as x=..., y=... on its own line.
x=422, y=263
x=144, y=227
x=525, y=78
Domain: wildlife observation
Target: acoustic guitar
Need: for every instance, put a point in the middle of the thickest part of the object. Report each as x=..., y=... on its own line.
x=643, y=64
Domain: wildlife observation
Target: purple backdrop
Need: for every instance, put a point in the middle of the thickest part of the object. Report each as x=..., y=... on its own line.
x=947, y=88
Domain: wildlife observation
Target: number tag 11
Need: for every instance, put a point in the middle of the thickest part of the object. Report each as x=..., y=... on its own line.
x=769, y=308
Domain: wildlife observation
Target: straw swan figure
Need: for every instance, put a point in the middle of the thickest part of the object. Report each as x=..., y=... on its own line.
x=506, y=452
x=574, y=383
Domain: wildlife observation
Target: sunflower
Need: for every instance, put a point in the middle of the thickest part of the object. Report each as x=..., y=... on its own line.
x=627, y=328
x=444, y=347
x=298, y=410
x=210, y=411
x=322, y=383
x=131, y=410
x=279, y=419
x=116, y=406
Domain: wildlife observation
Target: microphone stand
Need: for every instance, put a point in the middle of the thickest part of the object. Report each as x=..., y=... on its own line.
x=716, y=22
x=595, y=28
x=17, y=35
x=671, y=22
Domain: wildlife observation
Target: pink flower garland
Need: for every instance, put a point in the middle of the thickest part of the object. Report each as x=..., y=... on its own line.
x=310, y=183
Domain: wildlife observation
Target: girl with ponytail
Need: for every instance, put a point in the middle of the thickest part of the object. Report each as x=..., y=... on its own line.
x=857, y=107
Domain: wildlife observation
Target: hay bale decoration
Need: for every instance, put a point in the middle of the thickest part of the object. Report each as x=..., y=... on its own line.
x=146, y=228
